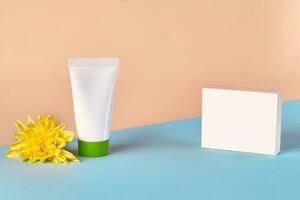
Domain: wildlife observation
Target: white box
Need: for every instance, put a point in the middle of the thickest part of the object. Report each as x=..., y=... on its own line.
x=237, y=120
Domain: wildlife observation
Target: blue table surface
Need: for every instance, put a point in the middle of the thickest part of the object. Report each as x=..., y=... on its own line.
x=163, y=161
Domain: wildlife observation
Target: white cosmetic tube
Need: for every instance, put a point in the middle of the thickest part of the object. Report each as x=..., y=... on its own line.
x=93, y=83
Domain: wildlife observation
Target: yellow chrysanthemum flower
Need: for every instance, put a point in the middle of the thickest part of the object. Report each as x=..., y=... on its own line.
x=42, y=141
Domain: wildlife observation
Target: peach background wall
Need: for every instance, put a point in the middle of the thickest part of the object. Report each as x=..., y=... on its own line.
x=169, y=50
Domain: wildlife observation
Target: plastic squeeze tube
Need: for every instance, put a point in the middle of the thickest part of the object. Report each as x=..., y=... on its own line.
x=93, y=83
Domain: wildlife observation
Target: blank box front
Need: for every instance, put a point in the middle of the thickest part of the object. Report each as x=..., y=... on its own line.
x=236, y=120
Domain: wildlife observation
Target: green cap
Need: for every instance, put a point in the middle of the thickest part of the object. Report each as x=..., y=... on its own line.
x=93, y=149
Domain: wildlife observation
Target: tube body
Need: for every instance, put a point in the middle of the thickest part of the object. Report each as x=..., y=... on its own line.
x=93, y=83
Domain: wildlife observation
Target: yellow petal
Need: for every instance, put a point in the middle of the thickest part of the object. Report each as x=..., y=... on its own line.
x=69, y=155
x=30, y=121
x=61, y=159
x=68, y=135
x=56, y=152
x=17, y=145
x=21, y=126
x=54, y=160
x=24, y=159
x=32, y=159
x=61, y=127
x=60, y=142
x=13, y=153
x=50, y=122
x=24, y=156
x=20, y=135
x=41, y=120
x=56, y=131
